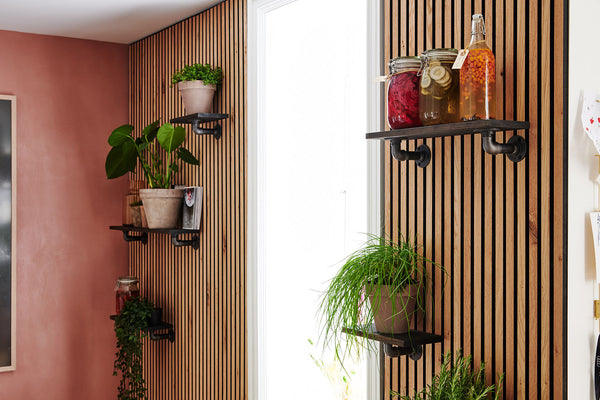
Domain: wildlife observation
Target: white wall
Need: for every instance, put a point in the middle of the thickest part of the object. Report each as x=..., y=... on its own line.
x=584, y=74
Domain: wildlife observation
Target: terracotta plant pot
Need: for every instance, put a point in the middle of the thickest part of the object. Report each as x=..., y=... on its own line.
x=197, y=97
x=391, y=316
x=162, y=207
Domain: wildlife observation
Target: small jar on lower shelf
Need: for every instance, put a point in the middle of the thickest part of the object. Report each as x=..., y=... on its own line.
x=127, y=287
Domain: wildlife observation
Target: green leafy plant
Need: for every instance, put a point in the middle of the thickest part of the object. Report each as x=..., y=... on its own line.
x=158, y=171
x=198, y=72
x=380, y=262
x=130, y=327
x=458, y=381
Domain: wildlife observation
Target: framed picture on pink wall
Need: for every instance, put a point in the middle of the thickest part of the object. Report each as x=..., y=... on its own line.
x=8, y=232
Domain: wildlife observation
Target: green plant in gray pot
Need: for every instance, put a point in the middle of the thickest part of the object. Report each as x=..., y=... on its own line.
x=393, y=277
x=197, y=84
x=158, y=149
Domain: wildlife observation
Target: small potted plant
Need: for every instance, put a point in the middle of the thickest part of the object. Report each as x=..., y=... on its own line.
x=162, y=204
x=458, y=381
x=392, y=276
x=131, y=326
x=197, y=84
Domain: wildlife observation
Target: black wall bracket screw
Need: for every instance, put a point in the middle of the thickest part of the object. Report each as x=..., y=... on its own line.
x=414, y=352
x=142, y=237
x=194, y=242
x=422, y=156
x=216, y=131
x=515, y=148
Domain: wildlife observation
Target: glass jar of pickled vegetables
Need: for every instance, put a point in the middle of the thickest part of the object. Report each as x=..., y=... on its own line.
x=127, y=287
x=478, y=76
x=403, y=92
x=438, y=99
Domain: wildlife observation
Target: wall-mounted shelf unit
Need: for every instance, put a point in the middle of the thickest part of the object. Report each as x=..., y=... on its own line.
x=515, y=149
x=202, y=118
x=142, y=235
x=160, y=331
x=410, y=343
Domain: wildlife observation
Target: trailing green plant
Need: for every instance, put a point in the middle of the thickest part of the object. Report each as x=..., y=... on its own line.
x=380, y=262
x=130, y=328
x=158, y=171
x=198, y=72
x=458, y=381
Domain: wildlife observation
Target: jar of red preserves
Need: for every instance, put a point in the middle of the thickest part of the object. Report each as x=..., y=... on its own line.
x=127, y=287
x=403, y=92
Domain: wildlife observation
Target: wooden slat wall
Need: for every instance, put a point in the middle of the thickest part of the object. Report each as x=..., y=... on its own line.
x=496, y=226
x=202, y=292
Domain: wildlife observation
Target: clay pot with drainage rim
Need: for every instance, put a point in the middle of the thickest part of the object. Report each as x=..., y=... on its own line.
x=162, y=207
x=395, y=311
x=197, y=97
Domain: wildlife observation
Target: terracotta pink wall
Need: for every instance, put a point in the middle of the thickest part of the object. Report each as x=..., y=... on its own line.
x=70, y=94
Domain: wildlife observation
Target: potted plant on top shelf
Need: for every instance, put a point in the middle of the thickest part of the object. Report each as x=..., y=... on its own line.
x=392, y=275
x=161, y=203
x=197, y=84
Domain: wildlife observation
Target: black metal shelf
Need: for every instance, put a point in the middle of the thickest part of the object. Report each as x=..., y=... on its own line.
x=155, y=329
x=515, y=149
x=202, y=118
x=194, y=242
x=402, y=344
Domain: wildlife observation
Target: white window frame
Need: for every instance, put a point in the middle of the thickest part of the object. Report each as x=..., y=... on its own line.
x=256, y=101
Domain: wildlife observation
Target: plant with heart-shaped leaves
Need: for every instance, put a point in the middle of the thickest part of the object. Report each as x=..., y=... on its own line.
x=158, y=168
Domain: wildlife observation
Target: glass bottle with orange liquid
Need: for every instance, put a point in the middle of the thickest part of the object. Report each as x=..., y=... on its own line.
x=478, y=77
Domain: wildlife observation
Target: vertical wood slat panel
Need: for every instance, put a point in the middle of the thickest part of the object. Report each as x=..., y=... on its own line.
x=497, y=226
x=202, y=292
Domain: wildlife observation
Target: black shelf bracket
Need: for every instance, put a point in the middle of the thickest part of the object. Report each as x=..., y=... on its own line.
x=216, y=131
x=202, y=118
x=422, y=156
x=415, y=353
x=153, y=332
x=142, y=237
x=194, y=242
x=515, y=148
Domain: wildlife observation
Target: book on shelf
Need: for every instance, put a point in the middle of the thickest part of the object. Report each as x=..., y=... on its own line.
x=192, y=207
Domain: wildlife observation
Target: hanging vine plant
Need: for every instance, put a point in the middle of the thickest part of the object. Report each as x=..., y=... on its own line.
x=131, y=326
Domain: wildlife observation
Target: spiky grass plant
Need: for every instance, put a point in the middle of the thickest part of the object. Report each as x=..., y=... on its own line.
x=458, y=381
x=381, y=261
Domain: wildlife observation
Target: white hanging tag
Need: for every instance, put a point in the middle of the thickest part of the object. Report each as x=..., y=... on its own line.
x=460, y=59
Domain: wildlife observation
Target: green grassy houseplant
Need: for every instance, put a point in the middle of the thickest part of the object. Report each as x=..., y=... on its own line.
x=458, y=381
x=197, y=84
x=131, y=326
x=392, y=276
x=159, y=148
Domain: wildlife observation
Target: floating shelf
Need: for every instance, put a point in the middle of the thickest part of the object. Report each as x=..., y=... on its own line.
x=202, y=118
x=154, y=331
x=410, y=343
x=515, y=149
x=142, y=235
